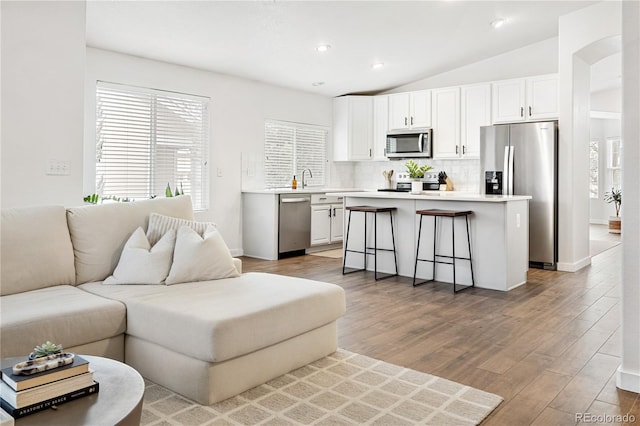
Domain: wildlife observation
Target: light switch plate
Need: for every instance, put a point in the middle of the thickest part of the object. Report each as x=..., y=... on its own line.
x=58, y=167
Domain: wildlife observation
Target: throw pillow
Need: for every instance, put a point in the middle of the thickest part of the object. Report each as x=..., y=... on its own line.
x=141, y=264
x=199, y=258
x=160, y=224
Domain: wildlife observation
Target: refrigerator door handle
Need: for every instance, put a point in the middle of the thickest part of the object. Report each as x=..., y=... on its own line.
x=506, y=172
x=511, y=155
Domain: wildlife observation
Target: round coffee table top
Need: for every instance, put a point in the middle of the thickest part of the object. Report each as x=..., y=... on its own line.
x=119, y=400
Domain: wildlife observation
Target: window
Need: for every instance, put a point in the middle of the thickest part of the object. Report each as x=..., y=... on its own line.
x=614, y=161
x=593, y=169
x=146, y=139
x=290, y=148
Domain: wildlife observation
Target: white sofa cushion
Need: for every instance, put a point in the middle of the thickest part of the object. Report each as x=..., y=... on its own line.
x=63, y=314
x=223, y=319
x=142, y=264
x=99, y=232
x=199, y=258
x=160, y=224
x=35, y=249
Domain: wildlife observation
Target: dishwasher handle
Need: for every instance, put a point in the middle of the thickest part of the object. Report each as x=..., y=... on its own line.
x=295, y=200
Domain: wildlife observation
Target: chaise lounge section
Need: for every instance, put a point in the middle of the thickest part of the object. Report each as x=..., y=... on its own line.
x=208, y=340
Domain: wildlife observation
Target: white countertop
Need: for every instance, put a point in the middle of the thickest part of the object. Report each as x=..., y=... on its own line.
x=312, y=190
x=436, y=195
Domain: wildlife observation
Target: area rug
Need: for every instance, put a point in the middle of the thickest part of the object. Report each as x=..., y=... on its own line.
x=343, y=388
x=333, y=253
x=598, y=246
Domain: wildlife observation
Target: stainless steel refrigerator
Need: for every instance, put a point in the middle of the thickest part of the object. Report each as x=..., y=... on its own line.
x=521, y=159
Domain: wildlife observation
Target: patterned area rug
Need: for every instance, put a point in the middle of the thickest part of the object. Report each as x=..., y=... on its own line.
x=343, y=388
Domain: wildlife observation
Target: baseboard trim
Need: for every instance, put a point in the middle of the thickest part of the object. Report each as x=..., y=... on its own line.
x=574, y=267
x=599, y=222
x=236, y=252
x=628, y=381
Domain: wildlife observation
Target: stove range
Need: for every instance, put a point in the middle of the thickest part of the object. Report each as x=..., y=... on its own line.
x=430, y=182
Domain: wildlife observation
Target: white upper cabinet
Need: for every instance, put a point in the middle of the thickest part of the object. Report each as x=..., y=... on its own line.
x=380, y=126
x=446, y=122
x=475, y=112
x=529, y=99
x=410, y=109
x=352, y=128
x=542, y=95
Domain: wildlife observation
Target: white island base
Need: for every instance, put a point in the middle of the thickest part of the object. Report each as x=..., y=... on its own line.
x=499, y=230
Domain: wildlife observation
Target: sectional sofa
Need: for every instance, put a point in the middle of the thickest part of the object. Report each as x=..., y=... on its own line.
x=207, y=340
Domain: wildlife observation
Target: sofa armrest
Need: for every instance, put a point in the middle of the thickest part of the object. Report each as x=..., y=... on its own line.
x=238, y=264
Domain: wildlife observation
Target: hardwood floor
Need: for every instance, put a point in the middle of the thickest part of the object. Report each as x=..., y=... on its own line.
x=550, y=348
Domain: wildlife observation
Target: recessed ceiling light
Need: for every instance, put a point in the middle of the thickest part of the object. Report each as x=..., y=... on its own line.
x=377, y=65
x=323, y=47
x=497, y=23
x=317, y=83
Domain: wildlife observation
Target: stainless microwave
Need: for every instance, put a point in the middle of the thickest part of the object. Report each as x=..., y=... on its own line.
x=409, y=143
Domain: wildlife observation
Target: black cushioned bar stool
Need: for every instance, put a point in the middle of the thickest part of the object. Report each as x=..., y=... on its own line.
x=370, y=250
x=436, y=213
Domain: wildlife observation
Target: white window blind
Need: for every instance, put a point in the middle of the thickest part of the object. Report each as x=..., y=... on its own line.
x=146, y=139
x=290, y=148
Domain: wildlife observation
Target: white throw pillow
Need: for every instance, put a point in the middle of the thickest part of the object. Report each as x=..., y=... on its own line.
x=141, y=264
x=199, y=258
x=160, y=224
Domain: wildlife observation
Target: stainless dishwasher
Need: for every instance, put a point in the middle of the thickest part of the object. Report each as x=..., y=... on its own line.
x=294, y=227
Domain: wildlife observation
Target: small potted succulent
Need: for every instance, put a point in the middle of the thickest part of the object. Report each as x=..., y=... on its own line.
x=615, y=222
x=416, y=173
x=45, y=349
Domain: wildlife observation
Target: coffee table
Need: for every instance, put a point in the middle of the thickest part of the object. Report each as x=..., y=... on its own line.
x=119, y=401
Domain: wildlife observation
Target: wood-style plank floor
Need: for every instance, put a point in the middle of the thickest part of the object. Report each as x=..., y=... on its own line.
x=550, y=348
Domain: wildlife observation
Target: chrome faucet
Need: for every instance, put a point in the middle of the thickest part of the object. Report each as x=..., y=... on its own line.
x=310, y=175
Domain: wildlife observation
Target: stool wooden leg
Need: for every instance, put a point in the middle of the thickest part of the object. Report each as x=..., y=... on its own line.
x=415, y=268
x=346, y=244
x=453, y=250
x=364, y=250
x=473, y=283
x=393, y=241
x=375, y=246
x=435, y=235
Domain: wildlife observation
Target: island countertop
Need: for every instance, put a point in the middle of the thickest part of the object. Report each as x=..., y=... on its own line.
x=436, y=196
x=499, y=228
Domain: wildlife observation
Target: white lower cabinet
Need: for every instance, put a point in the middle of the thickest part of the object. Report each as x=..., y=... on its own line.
x=327, y=220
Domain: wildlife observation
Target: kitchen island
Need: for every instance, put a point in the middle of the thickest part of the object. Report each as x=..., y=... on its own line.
x=499, y=229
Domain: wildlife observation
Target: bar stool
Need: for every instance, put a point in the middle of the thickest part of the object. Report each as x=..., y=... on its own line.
x=436, y=213
x=370, y=250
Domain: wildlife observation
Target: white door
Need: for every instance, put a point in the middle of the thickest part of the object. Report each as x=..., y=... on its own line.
x=542, y=97
x=508, y=101
x=399, y=111
x=446, y=122
x=337, y=222
x=420, y=109
x=380, y=126
x=360, y=127
x=320, y=224
x=475, y=112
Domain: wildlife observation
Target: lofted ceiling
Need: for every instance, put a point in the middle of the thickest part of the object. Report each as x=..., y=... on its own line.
x=275, y=41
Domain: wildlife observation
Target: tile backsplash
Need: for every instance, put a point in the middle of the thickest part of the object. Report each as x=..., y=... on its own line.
x=465, y=174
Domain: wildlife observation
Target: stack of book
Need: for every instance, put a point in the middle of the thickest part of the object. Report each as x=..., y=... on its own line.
x=23, y=395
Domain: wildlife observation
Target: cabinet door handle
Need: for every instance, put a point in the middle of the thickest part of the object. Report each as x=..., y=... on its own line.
x=412, y=121
x=456, y=149
x=334, y=212
x=521, y=111
x=405, y=121
x=329, y=211
x=369, y=152
x=464, y=149
x=529, y=110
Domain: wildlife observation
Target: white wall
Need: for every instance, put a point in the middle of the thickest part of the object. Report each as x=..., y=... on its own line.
x=534, y=59
x=583, y=40
x=43, y=62
x=629, y=371
x=238, y=107
x=607, y=100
